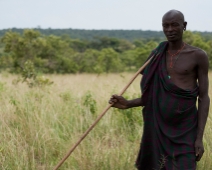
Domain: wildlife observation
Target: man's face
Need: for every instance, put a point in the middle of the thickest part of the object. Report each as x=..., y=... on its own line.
x=173, y=27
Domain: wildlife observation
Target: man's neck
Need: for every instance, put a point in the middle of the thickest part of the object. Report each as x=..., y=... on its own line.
x=176, y=45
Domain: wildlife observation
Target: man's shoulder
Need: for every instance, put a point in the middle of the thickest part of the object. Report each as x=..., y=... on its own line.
x=200, y=57
x=197, y=51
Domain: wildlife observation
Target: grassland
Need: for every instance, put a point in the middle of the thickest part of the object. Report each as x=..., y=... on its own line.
x=39, y=125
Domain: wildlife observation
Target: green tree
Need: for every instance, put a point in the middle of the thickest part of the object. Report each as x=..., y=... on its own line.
x=49, y=54
x=110, y=60
x=118, y=45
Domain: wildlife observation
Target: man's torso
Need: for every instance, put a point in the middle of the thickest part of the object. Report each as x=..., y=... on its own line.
x=185, y=66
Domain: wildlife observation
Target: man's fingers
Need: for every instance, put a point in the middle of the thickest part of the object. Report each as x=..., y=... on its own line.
x=198, y=158
x=199, y=153
x=115, y=100
x=115, y=96
x=112, y=100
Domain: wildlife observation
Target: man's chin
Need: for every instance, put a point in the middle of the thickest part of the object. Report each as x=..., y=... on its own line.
x=172, y=39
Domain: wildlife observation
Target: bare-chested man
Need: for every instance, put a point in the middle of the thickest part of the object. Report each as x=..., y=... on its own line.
x=171, y=83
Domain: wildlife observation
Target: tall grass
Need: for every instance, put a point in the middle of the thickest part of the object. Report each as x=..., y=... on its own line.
x=39, y=125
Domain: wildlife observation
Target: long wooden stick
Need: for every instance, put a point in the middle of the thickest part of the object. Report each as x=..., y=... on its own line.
x=101, y=115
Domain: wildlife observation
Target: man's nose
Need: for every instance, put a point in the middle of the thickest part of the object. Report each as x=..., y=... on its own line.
x=170, y=28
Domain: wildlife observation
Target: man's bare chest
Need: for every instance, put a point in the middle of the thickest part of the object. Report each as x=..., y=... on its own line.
x=181, y=64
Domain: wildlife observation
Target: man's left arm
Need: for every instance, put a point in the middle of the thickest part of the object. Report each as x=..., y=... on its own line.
x=203, y=101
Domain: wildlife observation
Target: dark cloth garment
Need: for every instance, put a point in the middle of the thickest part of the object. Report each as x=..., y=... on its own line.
x=170, y=119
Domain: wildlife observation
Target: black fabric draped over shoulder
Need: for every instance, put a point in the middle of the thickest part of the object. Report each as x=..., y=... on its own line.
x=170, y=119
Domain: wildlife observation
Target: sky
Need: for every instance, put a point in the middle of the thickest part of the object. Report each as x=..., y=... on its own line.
x=102, y=14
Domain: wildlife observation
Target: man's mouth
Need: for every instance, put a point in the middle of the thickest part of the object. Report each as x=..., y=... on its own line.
x=171, y=36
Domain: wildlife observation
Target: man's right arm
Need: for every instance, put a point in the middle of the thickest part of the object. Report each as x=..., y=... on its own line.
x=121, y=103
x=134, y=103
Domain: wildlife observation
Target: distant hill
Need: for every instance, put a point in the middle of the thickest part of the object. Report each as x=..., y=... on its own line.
x=90, y=34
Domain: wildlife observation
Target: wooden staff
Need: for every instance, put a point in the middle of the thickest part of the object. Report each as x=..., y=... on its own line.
x=101, y=115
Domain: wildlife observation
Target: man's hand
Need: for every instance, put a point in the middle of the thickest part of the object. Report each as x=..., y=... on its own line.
x=119, y=102
x=199, y=149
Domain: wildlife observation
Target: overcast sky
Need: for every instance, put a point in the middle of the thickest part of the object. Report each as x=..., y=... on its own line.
x=102, y=14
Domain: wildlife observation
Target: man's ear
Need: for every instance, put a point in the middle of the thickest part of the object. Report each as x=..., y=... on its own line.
x=184, y=24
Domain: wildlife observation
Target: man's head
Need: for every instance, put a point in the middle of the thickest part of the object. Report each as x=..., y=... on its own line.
x=173, y=23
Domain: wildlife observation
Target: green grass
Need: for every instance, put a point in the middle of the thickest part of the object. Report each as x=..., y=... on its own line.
x=39, y=125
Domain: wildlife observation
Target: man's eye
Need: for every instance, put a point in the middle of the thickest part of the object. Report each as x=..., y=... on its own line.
x=175, y=24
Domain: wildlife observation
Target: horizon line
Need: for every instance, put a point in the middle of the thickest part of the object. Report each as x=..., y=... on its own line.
x=94, y=29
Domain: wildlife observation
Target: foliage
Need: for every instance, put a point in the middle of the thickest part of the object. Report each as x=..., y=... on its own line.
x=90, y=102
x=82, y=34
x=2, y=87
x=54, y=54
x=29, y=76
x=47, y=53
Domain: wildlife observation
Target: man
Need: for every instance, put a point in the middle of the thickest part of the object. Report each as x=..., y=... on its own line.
x=173, y=126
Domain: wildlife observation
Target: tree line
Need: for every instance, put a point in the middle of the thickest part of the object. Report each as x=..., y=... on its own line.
x=62, y=54
x=83, y=34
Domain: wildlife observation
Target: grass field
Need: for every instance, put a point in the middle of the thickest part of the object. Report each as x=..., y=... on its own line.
x=39, y=125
